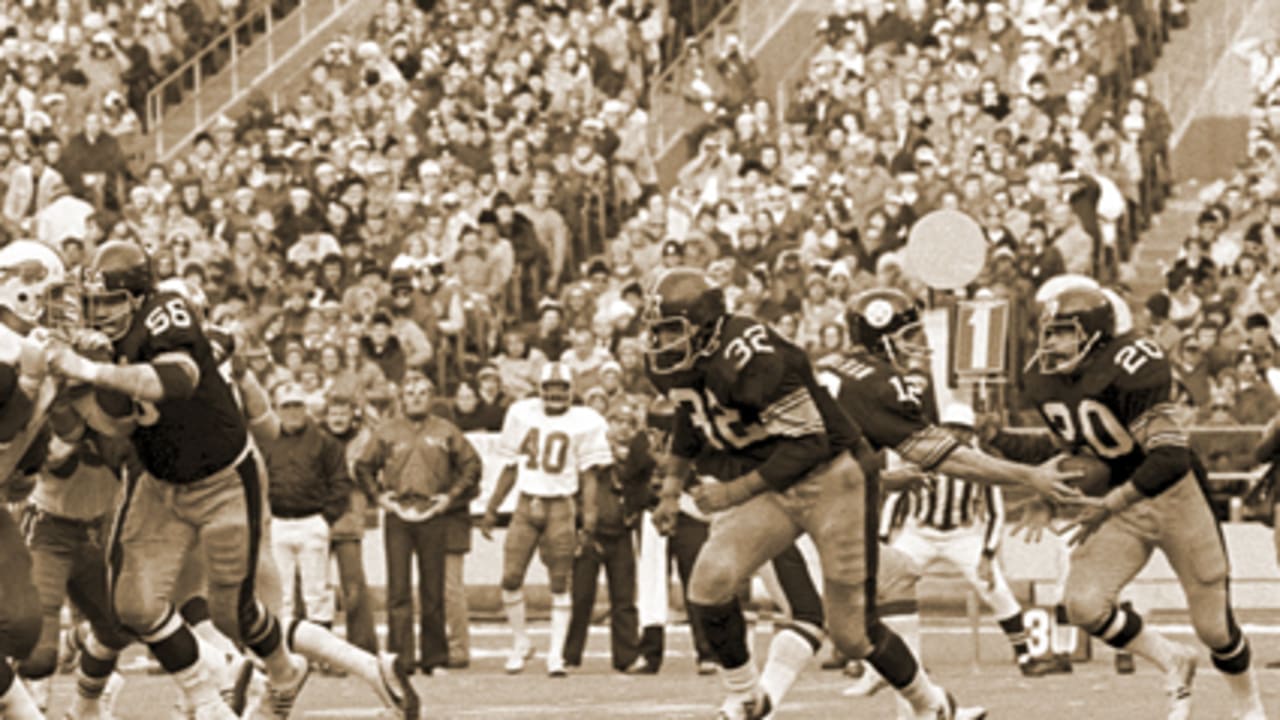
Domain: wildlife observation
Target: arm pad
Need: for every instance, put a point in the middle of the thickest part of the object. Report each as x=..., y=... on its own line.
x=1162, y=468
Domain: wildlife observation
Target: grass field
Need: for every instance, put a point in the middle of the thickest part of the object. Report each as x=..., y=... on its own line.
x=594, y=692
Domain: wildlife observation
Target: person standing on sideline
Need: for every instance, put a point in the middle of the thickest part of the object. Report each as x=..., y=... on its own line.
x=310, y=489
x=421, y=468
x=344, y=424
x=611, y=545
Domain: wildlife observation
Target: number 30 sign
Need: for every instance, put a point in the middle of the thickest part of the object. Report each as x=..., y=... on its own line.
x=980, y=338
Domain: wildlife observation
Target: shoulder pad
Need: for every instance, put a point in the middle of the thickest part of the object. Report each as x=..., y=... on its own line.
x=1131, y=362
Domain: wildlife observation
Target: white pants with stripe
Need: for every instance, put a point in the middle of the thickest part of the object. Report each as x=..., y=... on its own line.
x=301, y=549
x=961, y=549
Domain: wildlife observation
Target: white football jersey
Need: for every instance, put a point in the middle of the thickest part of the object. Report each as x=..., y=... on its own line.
x=12, y=346
x=549, y=451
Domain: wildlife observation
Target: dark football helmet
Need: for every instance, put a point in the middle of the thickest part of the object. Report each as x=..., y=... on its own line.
x=1072, y=323
x=682, y=316
x=887, y=323
x=555, y=387
x=116, y=284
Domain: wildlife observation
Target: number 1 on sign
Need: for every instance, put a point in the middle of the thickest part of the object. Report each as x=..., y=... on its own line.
x=980, y=322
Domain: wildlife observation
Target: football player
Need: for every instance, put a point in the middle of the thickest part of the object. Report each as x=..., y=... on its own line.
x=884, y=385
x=552, y=449
x=1111, y=394
x=27, y=391
x=750, y=413
x=202, y=486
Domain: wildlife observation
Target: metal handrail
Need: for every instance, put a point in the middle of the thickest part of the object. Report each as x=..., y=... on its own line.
x=280, y=43
x=196, y=61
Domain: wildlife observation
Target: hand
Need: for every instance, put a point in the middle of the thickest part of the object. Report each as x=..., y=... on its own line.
x=439, y=503
x=1037, y=514
x=486, y=524
x=907, y=478
x=665, y=515
x=1053, y=483
x=387, y=502
x=1086, y=523
x=986, y=570
x=72, y=365
x=587, y=539
x=93, y=344
x=714, y=497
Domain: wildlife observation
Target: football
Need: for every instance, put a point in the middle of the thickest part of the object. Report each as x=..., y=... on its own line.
x=1095, y=474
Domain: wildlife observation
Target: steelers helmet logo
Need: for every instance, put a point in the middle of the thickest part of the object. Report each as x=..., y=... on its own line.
x=879, y=313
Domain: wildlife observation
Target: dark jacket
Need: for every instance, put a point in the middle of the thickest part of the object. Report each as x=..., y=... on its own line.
x=308, y=471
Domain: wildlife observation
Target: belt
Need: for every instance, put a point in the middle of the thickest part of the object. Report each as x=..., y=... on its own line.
x=535, y=496
x=46, y=516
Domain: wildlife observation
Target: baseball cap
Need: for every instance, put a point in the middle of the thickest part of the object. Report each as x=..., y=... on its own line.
x=291, y=394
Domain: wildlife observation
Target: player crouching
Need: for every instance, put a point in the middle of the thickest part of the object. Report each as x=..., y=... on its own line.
x=1110, y=394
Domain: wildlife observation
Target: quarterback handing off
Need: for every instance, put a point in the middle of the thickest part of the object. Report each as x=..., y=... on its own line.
x=1111, y=395
x=201, y=486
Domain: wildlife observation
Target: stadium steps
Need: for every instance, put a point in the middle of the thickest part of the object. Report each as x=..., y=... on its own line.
x=1208, y=103
x=273, y=61
x=779, y=35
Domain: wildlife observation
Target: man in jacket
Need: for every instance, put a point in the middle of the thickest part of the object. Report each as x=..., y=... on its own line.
x=309, y=490
x=421, y=469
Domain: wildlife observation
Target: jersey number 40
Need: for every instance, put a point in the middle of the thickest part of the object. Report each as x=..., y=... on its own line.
x=549, y=456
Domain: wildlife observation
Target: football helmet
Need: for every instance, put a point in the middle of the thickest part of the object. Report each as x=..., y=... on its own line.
x=555, y=387
x=1072, y=323
x=116, y=283
x=30, y=273
x=887, y=323
x=682, y=317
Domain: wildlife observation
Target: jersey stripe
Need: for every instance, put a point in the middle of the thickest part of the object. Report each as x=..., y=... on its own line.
x=1158, y=427
x=794, y=415
x=928, y=447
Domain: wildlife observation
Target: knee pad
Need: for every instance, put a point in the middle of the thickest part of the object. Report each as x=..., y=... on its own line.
x=1234, y=657
x=195, y=610
x=40, y=664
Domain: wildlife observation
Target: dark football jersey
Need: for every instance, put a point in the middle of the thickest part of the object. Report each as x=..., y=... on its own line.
x=752, y=394
x=187, y=439
x=896, y=411
x=1096, y=407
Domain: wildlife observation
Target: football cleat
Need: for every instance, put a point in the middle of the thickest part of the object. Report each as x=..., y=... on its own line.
x=867, y=685
x=280, y=699
x=396, y=691
x=707, y=667
x=1178, y=685
x=1124, y=663
x=555, y=667
x=755, y=706
x=236, y=696
x=1034, y=667
x=517, y=658
x=971, y=713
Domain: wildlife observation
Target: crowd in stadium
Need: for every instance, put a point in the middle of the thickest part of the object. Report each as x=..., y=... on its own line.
x=467, y=192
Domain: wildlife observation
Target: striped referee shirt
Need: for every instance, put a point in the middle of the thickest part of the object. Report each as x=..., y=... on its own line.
x=947, y=504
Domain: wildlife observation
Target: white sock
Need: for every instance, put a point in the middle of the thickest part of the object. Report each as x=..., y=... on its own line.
x=318, y=644
x=17, y=704
x=740, y=680
x=199, y=685
x=206, y=631
x=1155, y=647
x=922, y=694
x=789, y=653
x=1244, y=690
x=513, y=604
x=561, y=610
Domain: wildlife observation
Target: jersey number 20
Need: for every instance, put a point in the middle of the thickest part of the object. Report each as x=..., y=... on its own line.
x=549, y=456
x=1095, y=423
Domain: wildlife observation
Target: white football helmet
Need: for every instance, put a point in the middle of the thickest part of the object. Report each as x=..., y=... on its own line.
x=555, y=386
x=29, y=270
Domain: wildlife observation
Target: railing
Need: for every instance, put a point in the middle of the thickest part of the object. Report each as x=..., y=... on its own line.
x=170, y=121
x=752, y=21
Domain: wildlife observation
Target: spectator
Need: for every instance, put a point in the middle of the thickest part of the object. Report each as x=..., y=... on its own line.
x=343, y=423
x=310, y=490
x=421, y=468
